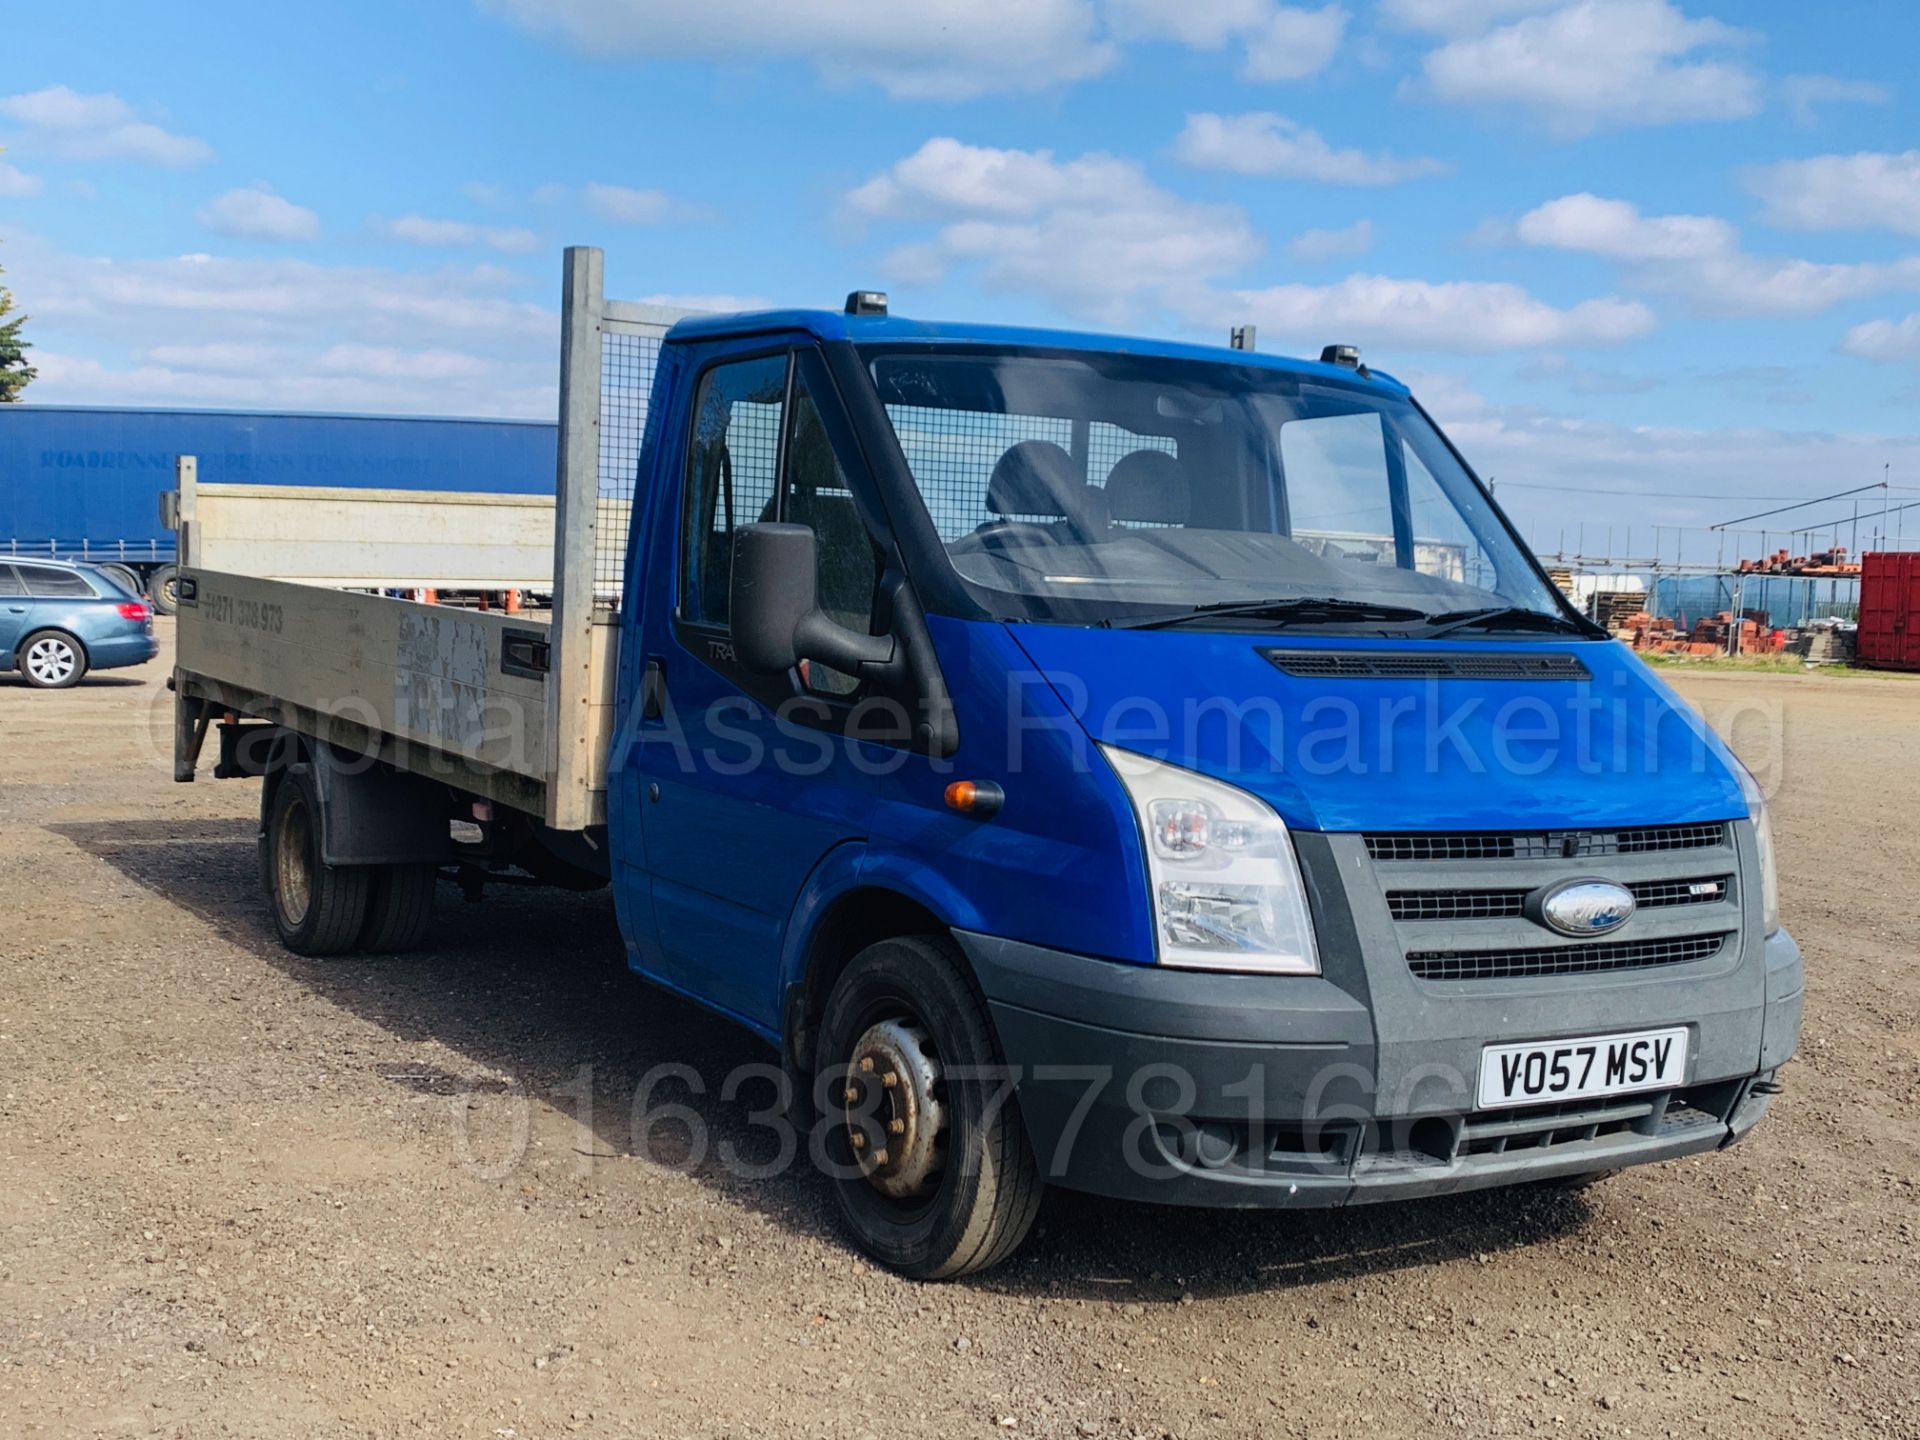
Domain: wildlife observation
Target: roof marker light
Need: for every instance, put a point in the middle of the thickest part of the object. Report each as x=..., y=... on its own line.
x=867, y=302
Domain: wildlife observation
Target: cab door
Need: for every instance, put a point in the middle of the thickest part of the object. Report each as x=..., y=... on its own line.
x=743, y=783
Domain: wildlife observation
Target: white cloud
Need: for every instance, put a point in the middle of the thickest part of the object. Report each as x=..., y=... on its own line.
x=1599, y=64
x=1457, y=315
x=1804, y=93
x=99, y=127
x=256, y=213
x=276, y=332
x=1868, y=191
x=626, y=206
x=391, y=362
x=215, y=355
x=1618, y=230
x=460, y=235
x=1312, y=247
x=1097, y=239
x=934, y=49
x=1572, y=468
x=946, y=177
x=1201, y=24
x=1698, y=258
x=204, y=299
x=1294, y=44
x=16, y=184
x=1282, y=42
x=1093, y=235
x=1456, y=17
x=485, y=192
x=1885, y=339
x=1262, y=143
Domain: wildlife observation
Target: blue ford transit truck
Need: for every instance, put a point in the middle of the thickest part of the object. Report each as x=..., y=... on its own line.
x=1139, y=767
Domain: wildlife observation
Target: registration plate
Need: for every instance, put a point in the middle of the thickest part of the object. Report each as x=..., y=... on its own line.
x=1545, y=1072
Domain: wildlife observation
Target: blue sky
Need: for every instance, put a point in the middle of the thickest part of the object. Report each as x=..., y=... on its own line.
x=1637, y=255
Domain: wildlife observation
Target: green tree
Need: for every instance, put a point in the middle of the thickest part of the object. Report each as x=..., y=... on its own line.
x=15, y=372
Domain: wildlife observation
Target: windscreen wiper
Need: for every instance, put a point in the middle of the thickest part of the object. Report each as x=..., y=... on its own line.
x=1297, y=610
x=1501, y=617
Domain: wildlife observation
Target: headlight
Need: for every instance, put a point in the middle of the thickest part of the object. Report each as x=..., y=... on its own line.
x=1763, y=838
x=1224, y=882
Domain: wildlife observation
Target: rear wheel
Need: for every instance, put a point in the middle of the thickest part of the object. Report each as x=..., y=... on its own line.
x=399, y=907
x=937, y=1178
x=164, y=590
x=318, y=909
x=52, y=660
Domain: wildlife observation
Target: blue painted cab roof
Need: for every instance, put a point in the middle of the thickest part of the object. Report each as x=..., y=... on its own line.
x=874, y=329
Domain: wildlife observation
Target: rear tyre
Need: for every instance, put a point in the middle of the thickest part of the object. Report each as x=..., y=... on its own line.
x=318, y=909
x=52, y=660
x=399, y=907
x=164, y=590
x=936, y=1179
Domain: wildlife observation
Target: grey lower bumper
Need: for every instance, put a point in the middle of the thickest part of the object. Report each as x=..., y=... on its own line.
x=1192, y=1088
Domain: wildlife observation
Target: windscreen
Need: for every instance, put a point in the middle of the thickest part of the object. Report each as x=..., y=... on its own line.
x=1074, y=486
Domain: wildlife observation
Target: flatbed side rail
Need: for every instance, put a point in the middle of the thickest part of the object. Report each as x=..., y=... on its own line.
x=450, y=693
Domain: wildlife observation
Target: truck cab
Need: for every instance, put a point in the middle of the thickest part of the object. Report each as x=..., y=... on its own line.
x=1186, y=736
x=1139, y=767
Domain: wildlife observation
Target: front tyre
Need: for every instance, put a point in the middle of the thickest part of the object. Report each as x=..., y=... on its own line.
x=936, y=1178
x=318, y=909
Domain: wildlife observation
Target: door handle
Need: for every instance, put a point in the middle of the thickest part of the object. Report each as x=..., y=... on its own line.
x=653, y=690
x=16, y=609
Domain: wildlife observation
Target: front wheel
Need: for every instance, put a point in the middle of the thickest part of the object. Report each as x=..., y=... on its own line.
x=935, y=1175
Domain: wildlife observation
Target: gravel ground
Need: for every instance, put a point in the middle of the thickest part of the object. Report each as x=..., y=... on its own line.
x=252, y=1195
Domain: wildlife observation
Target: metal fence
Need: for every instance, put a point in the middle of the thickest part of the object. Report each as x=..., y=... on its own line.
x=628, y=355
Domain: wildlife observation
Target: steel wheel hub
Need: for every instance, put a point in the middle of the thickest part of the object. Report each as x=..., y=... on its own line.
x=293, y=872
x=893, y=1109
x=50, y=661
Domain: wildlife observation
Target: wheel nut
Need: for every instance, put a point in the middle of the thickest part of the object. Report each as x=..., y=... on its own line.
x=889, y=1079
x=866, y=1064
x=879, y=1157
x=896, y=1127
x=851, y=1094
x=859, y=1141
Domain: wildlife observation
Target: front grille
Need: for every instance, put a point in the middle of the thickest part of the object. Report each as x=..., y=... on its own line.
x=1446, y=665
x=1562, y=959
x=1417, y=905
x=1541, y=845
x=1659, y=894
x=1456, y=904
x=1541, y=1127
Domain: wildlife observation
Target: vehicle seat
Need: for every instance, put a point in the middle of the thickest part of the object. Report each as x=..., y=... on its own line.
x=1039, y=480
x=1149, y=487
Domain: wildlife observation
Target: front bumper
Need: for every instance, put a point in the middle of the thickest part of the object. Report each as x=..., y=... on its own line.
x=1187, y=1087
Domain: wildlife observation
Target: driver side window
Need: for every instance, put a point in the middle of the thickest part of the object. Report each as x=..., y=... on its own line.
x=760, y=451
x=731, y=463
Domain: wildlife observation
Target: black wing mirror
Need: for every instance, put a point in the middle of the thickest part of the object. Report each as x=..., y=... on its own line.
x=775, y=607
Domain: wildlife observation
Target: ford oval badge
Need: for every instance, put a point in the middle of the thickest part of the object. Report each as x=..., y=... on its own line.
x=1584, y=908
